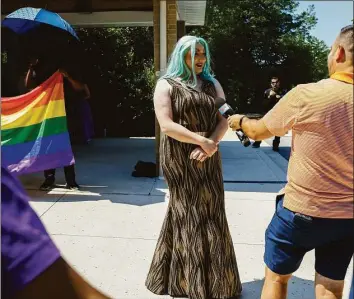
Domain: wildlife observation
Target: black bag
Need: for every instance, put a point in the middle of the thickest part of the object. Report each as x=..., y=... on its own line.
x=145, y=169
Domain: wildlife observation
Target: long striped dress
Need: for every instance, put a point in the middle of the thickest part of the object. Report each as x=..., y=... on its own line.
x=194, y=256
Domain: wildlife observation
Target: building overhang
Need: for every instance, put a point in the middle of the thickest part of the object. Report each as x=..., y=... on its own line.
x=192, y=12
x=105, y=13
x=109, y=19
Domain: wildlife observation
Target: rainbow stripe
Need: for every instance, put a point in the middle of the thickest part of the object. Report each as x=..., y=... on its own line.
x=34, y=133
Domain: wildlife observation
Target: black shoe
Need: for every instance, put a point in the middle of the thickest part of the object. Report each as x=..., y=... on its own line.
x=72, y=186
x=47, y=185
x=256, y=145
x=276, y=148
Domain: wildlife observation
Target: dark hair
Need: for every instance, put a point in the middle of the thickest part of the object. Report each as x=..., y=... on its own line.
x=273, y=78
x=346, y=37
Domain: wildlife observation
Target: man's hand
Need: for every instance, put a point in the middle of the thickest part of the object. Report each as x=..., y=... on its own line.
x=64, y=73
x=272, y=93
x=234, y=122
x=198, y=154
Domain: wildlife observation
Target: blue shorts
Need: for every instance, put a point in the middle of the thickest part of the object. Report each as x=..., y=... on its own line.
x=290, y=235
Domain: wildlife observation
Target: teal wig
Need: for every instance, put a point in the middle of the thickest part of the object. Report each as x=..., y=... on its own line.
x=177, y=66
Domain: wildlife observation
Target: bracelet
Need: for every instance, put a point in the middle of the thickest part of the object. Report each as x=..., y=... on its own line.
x=241, y=120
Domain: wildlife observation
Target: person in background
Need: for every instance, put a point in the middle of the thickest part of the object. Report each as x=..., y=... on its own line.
x=315, y=210
x=31, y=265
x=271, y=96
x=38, y=72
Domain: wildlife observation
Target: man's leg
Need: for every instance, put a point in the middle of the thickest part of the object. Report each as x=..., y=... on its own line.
x=275, y=285
x=327, y=288
x=282, y=255
x=69, y=172
x=276, y=143
x=49, y=174
x=49, y=181
x=256, y=144
x=333, y=259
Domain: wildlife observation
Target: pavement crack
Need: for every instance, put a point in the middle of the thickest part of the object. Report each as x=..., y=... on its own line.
x=62, y=195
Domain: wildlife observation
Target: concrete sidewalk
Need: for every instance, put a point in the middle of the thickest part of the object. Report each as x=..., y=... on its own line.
x=108, y=231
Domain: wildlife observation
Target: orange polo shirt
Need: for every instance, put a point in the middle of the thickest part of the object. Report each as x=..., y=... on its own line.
x=320, y=171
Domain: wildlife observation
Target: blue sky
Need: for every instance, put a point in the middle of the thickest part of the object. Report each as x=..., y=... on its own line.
x=331, y=15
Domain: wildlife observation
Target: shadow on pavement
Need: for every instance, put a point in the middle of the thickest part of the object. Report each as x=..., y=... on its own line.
x=285, y=152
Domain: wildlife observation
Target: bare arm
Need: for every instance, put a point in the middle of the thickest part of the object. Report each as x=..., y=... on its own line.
x=57, y=282
x=30, y=81
x=222, y=126
x=255, y=129
x=276, y=122
x=163, y=110
x=78, y=86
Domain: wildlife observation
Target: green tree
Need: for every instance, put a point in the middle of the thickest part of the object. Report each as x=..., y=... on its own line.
x=251, y=40
x=119, y=66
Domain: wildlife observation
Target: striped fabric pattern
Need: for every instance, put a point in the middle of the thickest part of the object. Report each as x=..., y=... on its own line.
x=320, y=171
x=194, y=256
x=34, y=134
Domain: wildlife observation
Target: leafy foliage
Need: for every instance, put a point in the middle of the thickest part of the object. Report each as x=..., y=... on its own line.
x=121, y=78
x=252, y=40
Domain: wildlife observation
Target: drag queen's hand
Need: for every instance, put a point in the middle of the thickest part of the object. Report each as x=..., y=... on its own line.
x=209, y=147
x=198, y=154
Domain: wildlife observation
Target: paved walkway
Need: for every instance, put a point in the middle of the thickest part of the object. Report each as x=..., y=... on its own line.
x=108, y=231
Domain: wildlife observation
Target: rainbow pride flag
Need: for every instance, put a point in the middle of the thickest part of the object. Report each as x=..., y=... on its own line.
x=34, y=133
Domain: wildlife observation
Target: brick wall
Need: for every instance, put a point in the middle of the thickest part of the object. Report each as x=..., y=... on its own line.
x=171, y=25
x=156, y=21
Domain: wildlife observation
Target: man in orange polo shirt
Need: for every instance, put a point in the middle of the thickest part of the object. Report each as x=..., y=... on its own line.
x=315, y=209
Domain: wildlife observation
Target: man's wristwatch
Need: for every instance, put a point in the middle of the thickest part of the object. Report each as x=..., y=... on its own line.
x=241, y=120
